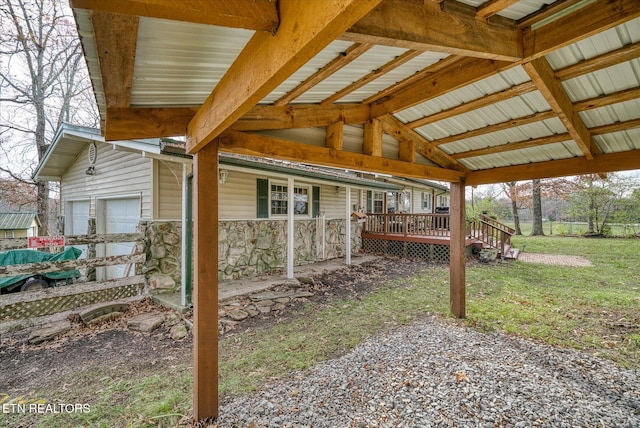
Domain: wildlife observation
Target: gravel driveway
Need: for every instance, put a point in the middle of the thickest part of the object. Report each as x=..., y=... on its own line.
x=438, y=374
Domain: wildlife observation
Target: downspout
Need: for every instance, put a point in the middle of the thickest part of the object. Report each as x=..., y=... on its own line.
x=187, y=239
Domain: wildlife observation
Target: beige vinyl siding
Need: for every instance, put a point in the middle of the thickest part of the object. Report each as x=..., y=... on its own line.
x=116, y=173
x=237, y=197
x=169, y=190
x=333, y=205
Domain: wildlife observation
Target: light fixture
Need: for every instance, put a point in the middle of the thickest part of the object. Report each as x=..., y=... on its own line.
x=91, y=170
x=337, y=190
x=223, y=175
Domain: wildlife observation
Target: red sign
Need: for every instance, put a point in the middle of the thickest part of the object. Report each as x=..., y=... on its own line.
x=45, y=241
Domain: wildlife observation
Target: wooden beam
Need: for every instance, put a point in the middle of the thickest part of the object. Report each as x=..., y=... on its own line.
x=457, y=75
x=372, y=141
x=492, y=7
x=606, y=100
x=417, y=25
x=301, y=116
x=612, y=162
x=517, y=145
x=615, y=127
x=542, y=75
x=259, y=15
x=402, y=132
x=599, y=62
x=380, y=71
x=205, y=291
x=407, y=151
x=259, y=145
x=116, y=37
x=457, y=250
x=353, y=52
x=305, y=29
x=334, y=139
x=415, y=78
x=134, y=123
x=591, y=19
x=487, y=100
x=536, y=117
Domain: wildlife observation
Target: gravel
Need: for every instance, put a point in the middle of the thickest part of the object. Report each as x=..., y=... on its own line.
x=436, y=374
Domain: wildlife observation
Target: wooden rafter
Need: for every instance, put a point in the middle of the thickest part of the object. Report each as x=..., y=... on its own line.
x=402, y=132
x=259, y=15
x=305, y=29
x=608, y=59
x=545, y=12
x=414, y=24
x=542, y=75
x=518, y=145
x=301, y=116
x=611, y=162
x=353, y=52
x=457, y=75
x=259, y=145
x=591, y=19
x=492, y=7
x=412, y=80
x=380, y=71
x=536, y=117
x=625, y=125
x=606, y=100
x=487, y=100
x=116, y=38
x=133, y=123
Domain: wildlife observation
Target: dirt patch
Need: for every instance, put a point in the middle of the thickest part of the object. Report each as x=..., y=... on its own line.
x=116, y=349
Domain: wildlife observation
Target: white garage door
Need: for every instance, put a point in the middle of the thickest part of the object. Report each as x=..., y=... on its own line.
x=119, y=216
x=77, y=221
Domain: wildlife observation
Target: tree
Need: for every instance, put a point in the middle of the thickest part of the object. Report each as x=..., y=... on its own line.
x=515, y=194
x=596, y=199
x=42, y=83
x=537, y=208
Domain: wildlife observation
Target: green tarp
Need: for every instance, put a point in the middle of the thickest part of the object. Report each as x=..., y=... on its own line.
x=19, y=257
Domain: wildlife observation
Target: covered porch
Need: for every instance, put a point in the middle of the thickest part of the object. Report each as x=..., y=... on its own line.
x=438, y=90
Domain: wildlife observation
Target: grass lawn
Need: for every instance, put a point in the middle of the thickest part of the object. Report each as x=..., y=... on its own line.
x=596, y=309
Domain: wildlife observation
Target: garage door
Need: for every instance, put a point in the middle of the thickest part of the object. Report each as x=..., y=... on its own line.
x=119, y=216
x=77, y=221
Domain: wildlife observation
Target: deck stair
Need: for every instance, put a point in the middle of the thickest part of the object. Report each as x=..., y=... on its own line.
x=491, y=234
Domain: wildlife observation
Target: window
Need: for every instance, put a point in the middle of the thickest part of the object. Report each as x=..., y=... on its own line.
x=426, y=201
x=443, y=201
x=8, y=234
x=280, y=203
x=378, y=202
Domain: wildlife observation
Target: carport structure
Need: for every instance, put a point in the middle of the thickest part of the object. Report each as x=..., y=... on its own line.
x=468, y=92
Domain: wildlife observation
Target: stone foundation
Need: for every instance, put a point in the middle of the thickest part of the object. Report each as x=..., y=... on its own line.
x=163, y=247
x=251, y=247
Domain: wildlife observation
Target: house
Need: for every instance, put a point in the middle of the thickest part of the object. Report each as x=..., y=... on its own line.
x=112, y=187
x=19, y=225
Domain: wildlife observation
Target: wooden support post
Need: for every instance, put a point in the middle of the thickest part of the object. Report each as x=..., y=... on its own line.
x=457, y=251
x=205, y=293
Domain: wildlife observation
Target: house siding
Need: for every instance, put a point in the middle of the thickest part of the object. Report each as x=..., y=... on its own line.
x=169, y=190
x=117, y=173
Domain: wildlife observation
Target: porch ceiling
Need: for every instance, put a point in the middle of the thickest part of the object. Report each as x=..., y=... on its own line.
x=436, y=89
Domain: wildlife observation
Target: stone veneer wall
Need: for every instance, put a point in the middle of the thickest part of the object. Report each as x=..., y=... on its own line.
x=245, y=248
x=250, y=247
x=163, y=246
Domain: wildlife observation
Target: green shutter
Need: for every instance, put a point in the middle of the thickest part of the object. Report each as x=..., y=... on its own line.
x=315, y=207
x=369, y=201
x=422, y=201
x=263, y=198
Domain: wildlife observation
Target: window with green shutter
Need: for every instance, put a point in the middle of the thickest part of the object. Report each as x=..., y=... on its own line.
x=263, y=198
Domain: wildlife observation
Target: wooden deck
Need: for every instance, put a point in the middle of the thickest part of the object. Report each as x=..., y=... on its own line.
x=433, y=229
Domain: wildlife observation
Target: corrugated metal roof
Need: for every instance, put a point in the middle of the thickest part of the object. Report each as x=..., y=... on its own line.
x=516, y=11
x=547, y=152
x=85, y=31
x=17, y=221
x=180, y=63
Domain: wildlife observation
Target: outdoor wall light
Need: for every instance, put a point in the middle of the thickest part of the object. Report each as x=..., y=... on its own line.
x=91, y=170
x=223, y=175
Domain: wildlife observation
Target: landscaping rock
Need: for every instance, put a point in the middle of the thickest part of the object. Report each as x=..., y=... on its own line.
x=178, y=332
x=87, y=316
x=238, y=315
x=49, y=332
x=105, y=317
x=146, y=322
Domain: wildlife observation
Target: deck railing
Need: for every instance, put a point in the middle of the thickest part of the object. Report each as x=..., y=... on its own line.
x=408, y=224
x=486, y=229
